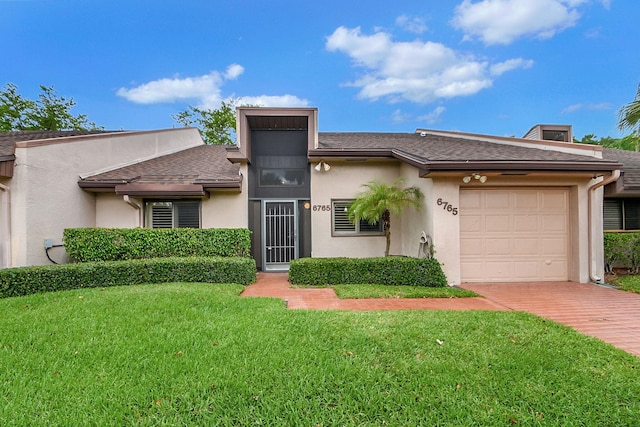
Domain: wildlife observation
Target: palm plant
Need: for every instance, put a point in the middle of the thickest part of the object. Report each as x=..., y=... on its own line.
x=379, y=201
x=629, y=118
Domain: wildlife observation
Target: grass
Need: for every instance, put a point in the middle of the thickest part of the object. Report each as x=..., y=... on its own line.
x=384, y=291
x=197, y=354
x=629, y=283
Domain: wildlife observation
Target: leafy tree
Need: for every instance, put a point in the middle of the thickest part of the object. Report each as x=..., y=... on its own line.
x=217, y=126
x=379, y=201
x=628, y=143
x=48, y=112
x=629, y=118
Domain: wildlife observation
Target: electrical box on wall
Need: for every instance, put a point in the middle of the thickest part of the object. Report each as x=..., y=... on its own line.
x=48, y=243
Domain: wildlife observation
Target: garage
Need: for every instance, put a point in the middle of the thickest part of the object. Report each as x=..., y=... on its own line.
x=514, y=234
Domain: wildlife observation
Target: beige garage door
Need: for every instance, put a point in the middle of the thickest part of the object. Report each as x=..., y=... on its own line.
x=514, y=235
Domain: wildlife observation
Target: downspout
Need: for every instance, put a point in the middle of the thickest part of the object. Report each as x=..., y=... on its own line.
x=612, y=178
x=135, y=206
x=5, y=228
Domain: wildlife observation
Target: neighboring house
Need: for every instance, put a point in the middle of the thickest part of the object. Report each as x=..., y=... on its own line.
x=622, y=197
x=496, y=208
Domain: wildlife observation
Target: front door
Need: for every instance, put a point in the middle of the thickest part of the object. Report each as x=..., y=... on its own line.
x=279, y=234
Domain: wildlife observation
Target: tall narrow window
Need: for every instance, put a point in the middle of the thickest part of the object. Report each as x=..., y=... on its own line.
x=173, y=214
x=342, y=226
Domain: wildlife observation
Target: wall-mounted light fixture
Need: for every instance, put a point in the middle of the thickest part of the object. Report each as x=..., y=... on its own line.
x=467, y=179
x=322, y=165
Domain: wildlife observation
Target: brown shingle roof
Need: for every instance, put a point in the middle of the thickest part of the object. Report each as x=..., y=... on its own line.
x=204, y=167
x=433, y=151
x=631, y=166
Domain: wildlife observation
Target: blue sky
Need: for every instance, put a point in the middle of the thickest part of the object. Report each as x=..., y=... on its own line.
x=483, y=66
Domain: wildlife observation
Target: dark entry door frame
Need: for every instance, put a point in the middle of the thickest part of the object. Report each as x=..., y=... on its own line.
x=280, y=242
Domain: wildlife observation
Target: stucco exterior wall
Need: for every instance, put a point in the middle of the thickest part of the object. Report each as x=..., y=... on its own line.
x=227, y=210
x=113, y=212
x=344, y=181
x=45, y=196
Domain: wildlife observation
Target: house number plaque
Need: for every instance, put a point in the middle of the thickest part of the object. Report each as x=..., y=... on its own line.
x=447, y=206
x=322, y=208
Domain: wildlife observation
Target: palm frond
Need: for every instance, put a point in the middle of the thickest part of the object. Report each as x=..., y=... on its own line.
x=629, y=114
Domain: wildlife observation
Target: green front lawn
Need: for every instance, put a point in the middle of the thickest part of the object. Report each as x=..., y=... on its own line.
x=197, y=354
x=629, y=283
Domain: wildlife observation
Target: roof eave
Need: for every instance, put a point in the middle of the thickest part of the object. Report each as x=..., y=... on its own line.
x=320, y=153
x=529, y=165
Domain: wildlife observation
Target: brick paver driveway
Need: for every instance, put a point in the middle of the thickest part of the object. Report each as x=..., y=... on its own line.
x=602, y=312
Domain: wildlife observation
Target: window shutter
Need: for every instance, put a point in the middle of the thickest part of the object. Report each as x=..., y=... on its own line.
x=187, y=214
x=161, y=215
x=631, y=214
x=365, y=227
x=341, y=223
x=612, y=217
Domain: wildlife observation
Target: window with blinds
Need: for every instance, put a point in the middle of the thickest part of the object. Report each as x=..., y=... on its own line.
x=173, y=214
x=342, y=226
x=621, y=214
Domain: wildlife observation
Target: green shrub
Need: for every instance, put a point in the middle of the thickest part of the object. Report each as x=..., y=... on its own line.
x=29, y=280
x=115, y=244
x=622, y=250
x=385, y=270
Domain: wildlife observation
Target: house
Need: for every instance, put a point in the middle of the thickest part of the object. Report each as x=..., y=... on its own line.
x=622, y=197
x=496, y=208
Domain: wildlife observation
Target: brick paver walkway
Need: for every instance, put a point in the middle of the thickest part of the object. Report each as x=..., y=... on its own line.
x=608, y=314
x=276, y=285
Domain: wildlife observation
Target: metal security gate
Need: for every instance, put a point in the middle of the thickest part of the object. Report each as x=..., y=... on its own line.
x=279, y=234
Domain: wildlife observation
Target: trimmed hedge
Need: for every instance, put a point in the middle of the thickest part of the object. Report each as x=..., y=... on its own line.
x=391, y=270
x=116, y=244
x=28, y=280
x=622, y=250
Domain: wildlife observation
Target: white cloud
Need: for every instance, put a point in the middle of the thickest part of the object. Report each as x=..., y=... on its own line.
x=233, y=71
x=587, y=106
x=274, y=101
x=511, y=64
x=413, y=25
x=205, y=90
x=503, y=21
x=414, y=71
x=399, y=117
x=434, y=116
x=174, y=89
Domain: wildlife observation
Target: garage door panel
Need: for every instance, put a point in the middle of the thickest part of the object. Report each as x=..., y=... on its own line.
x=525, y=223
x=498, y=270
x=472, y=268
x=471, y=201
x=554, y=223
x=471, y=224
x=525, y=200
x=472, y=247
x=526, y=247
x=496, y=223
x=554, y=200
x=514, y=234
x=526, y=271
x=497, y=246
x=496, y=200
